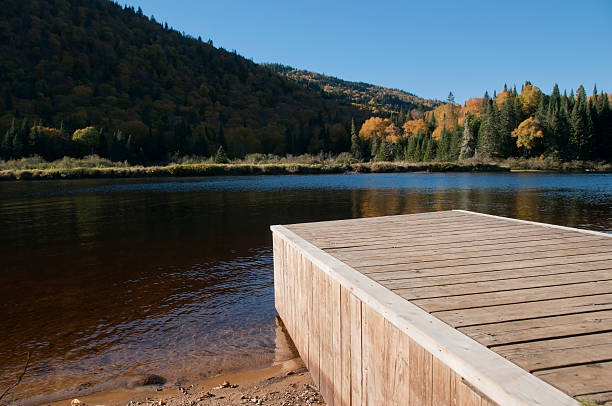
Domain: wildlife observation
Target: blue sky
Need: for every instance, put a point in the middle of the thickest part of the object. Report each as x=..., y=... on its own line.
x=425, y=47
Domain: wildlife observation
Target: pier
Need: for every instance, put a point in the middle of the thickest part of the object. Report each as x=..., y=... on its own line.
x=448, y=308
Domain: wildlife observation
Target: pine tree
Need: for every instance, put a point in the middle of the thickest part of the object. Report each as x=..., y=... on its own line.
x=507, y=123
x=580, y=127
x=430, y=149
x=356, y=149
x=374, y=145
x=451, y=98
x=488, y=135
x=221, y=156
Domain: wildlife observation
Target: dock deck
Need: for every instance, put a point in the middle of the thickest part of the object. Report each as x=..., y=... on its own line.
x=448, y=308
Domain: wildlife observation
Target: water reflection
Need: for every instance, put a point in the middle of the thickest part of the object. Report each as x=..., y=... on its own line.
x=105, y=279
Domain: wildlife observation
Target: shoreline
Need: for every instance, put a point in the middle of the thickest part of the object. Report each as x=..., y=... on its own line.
x=203, y=170
x=246, y=169
x=286, y=382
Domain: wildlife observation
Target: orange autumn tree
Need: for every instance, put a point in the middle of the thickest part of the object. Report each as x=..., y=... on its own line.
x=374, y=124
x=412, y=127
x=392, y=133
x=473, y=106
x=528, y=133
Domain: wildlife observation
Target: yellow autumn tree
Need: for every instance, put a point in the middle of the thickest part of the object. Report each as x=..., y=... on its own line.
x=446, y=116
x=412, y=127
x=528, y=133
x=372, y=124
x=529, y=97
x=502, y=97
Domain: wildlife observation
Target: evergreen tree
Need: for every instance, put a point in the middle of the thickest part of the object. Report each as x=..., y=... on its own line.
x=221, y=156
x=430, y=149
x=507, y=123
x=580, y=127
x=356, y=149
x=374, y=145
x=488, y=135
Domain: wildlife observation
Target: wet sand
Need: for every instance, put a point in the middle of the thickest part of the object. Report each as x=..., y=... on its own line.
x=286, y=383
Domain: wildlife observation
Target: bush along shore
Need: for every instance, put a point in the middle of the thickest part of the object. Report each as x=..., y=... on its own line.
x=95, y=167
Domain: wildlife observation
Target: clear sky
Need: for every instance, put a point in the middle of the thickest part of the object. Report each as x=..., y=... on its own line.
x=425, y=47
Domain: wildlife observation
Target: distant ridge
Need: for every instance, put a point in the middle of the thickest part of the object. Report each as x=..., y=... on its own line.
x=378, y=99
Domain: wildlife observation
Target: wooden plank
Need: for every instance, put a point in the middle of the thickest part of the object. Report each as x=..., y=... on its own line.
x=529, y=223
x=560, y=352
x=580, y=380
x=439, y=253
x=326, y=374
x=520, y=311
x=336, y=341
x=464, y=394
x=420, y=376
x=442, y=394
x=507, y=297
x=398, y=361
x=373, y=349
x=309, y=230
x=450, y=261
x=511, y=284
x=456, y=233
x=461, y=249
x=409, y=270
x=423, y=244
x=345, y=347
x=602, y=398
x=457, y=280
x=355, y=306
x=461, y=237
x=315, y=336
x=513, y=332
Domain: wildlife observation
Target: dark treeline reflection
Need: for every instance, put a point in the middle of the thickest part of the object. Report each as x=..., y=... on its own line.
x=104, y=279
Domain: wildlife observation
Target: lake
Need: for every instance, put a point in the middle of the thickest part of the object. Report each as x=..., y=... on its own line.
x=104, y=280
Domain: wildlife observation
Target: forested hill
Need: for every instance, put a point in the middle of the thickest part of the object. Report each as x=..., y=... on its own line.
x=378, y=99
x=140, y=90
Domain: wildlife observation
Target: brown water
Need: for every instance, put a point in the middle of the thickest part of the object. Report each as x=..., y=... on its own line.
x=103, y=280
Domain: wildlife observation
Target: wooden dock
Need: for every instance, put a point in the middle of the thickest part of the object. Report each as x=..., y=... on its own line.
x=448, y=308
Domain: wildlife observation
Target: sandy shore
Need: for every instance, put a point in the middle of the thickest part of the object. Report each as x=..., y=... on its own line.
x=284, y=384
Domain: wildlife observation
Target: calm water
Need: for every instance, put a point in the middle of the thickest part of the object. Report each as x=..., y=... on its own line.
x=102, y=280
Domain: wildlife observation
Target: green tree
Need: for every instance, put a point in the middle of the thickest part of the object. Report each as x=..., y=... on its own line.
x=356, y=147
x=86, y=140
x=580, y=127
x=221, y=156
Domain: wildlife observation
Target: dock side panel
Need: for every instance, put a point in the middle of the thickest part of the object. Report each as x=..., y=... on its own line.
x=356, y=356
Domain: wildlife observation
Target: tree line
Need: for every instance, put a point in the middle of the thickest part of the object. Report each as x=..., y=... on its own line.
x=528, y=123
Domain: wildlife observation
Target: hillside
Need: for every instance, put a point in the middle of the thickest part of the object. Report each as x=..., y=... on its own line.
x=378, y=99
x=149, y=91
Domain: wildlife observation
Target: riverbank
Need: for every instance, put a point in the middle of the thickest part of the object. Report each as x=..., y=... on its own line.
x=92, y=167
x=287, y=383
x=191, y=170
